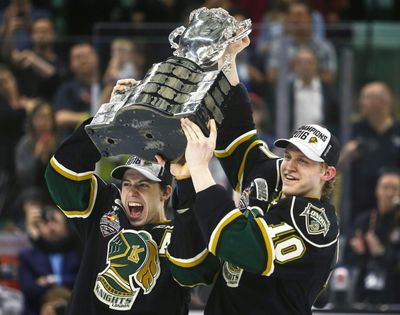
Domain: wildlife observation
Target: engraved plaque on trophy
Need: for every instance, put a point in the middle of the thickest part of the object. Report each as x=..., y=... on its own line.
x=145, y=119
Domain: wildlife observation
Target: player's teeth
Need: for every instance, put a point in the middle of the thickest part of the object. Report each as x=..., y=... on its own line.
x=134, y=204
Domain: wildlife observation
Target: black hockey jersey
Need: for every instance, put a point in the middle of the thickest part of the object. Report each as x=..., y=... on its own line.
x=124, y=270
x=275, y=254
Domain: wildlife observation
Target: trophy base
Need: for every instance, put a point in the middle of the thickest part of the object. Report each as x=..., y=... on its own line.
x=143, y=129
x=145, y=120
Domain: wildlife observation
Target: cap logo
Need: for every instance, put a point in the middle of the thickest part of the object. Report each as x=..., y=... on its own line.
x=304, y=131
x=313, y=140
x=134, y=160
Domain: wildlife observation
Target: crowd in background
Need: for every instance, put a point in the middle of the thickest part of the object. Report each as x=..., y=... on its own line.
x=55, y=71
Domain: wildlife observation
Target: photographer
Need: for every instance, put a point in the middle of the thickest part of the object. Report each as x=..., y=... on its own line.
x=373, y=250
x=52, y=260
x=15, y=25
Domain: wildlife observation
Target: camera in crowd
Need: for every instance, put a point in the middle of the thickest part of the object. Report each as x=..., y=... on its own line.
x=48, y=213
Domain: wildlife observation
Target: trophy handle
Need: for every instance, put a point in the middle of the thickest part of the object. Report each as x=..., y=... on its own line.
x=174, y=34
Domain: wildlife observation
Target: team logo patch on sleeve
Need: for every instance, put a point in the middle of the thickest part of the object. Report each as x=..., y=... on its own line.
x=231, y=274
x=109, y=223
x=257, y=192
x=316, y=220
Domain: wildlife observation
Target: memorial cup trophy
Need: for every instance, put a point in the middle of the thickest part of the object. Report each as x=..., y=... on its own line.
x=145, y=119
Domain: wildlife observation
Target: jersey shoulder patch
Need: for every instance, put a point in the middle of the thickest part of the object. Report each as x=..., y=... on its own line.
x=316, y=221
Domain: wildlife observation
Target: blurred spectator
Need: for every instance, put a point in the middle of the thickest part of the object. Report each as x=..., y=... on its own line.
x=122, y=64
x=73, y=98
x=40, y=69
x=15, y=24
x=374, y=144
x=52, y=261
x=298, y=33
x=30, y=203
x=34, y=149
x=262, y=119
x=272, y=24
x=330, y=9
x=13, y=109
x=247, y=62
x=374, y=248
x=54, y=301
x=312, y=101
x=126, y=61
x=273, y=21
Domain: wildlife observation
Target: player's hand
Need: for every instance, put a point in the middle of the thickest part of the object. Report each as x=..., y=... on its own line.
x=121, y=86
x=237, y=46
x=199, y=148
x=179, y=171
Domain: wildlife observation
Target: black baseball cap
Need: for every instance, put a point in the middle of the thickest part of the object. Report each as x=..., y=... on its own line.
x=150, y=170
x=315, y=142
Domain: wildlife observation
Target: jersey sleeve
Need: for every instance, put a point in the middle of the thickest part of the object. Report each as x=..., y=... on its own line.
x=238, y=148
x=240, y=237
x=70, y=176
x=190, y=261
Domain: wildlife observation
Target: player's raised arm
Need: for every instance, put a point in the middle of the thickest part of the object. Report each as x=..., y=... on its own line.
x=238, y=147
x=190, y=261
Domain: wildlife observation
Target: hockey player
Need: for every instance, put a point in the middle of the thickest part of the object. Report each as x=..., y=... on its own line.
x=276, y=249
x=124, y=232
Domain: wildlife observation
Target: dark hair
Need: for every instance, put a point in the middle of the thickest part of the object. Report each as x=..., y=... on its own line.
x=29, y=120
x=389, y=170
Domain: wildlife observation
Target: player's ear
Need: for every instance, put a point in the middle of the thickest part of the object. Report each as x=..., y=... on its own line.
x=166, y=193
x=329, y=172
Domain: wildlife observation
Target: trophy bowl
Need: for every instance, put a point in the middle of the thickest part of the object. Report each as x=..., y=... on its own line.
x=145, y=119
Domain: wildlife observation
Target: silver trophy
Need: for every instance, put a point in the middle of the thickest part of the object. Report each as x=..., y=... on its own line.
x=145, y=119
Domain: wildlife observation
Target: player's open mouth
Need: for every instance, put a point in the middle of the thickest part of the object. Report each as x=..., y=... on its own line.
x=288, y=177
x=135, y=209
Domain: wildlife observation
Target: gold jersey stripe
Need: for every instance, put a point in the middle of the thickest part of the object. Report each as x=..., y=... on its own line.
x=59, y=168
x=189, y=285
x=234, y=144
x=189, y=262
x=268, y=245
x=243, y=163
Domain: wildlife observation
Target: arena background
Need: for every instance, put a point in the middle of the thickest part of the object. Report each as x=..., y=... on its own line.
x=364, y=34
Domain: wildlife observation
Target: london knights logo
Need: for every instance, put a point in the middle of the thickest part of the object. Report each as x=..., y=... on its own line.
x=316, y=220
x=132, y=265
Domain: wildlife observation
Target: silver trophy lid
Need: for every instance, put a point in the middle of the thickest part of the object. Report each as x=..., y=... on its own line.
x=209, y=32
